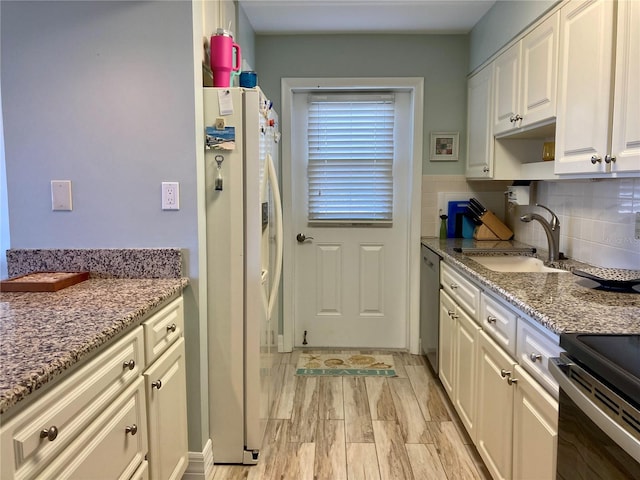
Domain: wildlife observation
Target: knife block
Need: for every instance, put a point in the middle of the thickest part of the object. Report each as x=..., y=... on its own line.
x=496, y=226
x=484, y=233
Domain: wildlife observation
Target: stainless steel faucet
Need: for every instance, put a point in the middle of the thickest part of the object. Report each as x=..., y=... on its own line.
x=552, y=229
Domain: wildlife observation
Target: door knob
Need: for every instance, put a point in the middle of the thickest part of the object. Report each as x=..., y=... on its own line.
x=301, y=237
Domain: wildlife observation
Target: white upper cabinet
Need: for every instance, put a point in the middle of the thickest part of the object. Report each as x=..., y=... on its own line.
x=625, y=143
x=479, y=131
x=525, y=80
x=598, y=127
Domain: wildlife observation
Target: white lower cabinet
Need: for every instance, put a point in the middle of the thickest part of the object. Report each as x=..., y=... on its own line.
x=493, y=368
x=114, y=445
x=516, y=432
x=535, y=430
x=457, y=371
x=165, y=383
x=107, y=420
x=494, y=435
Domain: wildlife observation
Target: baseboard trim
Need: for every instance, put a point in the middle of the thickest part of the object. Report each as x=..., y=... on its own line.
x=200, y=464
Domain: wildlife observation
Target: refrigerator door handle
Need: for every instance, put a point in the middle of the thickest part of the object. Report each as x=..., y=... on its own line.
x=277, y=208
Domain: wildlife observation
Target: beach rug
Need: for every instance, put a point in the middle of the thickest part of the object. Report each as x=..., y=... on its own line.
x=347, y=364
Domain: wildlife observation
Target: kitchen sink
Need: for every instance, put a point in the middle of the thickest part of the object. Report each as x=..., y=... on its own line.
x=514, y=263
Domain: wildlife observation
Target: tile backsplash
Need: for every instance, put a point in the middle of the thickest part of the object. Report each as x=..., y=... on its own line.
x=597, y=220
x=597, y=217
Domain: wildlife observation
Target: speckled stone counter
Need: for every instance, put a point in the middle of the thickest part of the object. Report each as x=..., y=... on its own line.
x=558, y=301
x=44, y=334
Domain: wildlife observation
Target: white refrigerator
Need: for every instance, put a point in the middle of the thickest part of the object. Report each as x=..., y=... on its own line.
x=244, y=258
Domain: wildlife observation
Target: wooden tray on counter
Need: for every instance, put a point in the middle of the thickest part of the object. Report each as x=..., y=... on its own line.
x=42, y=281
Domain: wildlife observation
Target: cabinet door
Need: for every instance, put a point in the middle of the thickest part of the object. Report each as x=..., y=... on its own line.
x=539, y=72
x=464, y=391
x=506, y=90
x=585, y=82
x=446, y=342
x=112, y=447
x=535, y=430
x=625, y=146
x=479, y=131
x=167, y=414
x=495, y=404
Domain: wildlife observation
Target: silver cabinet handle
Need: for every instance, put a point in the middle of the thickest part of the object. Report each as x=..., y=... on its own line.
x=511, y=381
x=171, y=328
x=131, y=364
x=491, y=319
x=452, y=314
x=132, y=429
x=534, y=357
x=50, y=434
x=596, y=159
x=453, y=286
x=505, y=373
x=301, y=237
x=485, y=169
x=609, y=159
x=157, y=384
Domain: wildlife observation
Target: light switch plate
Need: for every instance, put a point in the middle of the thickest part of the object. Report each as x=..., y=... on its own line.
x=61, y=195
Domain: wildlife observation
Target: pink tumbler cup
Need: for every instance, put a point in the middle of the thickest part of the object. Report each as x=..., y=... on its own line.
x=222, y=47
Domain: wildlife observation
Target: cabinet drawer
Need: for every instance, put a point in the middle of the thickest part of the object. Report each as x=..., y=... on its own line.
x=112, y=447
x=68, y=408
x=162, y=329
x=500, y=322
x=463, y=291
x=534, y=349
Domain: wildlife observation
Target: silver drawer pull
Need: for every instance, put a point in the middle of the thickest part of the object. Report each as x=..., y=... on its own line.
x=131, y=364
x=171, y=328
x=534, y=357
x=51, y=434
x=132, y=429
x=453, y=286
x=505, y=373
x=511, y=381
x=491, y=319
x=157, y=384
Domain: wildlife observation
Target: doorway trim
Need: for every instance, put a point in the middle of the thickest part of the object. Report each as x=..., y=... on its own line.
x=414, y=85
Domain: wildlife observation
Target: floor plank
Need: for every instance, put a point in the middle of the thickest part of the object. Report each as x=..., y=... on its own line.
x=426, y=389
x=283, y=403
x=357, y=418
x=452, y=452
x=330, y=399
x=305, y=410
x=392, y=456
x=412, y=424
x=381, y=404
x=425, y=462
x=330, y=458
x=362, y=462
x=361, y=428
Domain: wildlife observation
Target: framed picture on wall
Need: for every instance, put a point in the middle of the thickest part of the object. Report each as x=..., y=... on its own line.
x=444, y=146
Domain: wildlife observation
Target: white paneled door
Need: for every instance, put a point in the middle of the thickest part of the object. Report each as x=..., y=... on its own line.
x=350, y=281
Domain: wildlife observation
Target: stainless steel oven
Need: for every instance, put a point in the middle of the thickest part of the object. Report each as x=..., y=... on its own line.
x=599, y=408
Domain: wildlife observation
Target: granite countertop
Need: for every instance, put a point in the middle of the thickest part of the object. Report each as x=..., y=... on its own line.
x=558, y=301
x=43, y=334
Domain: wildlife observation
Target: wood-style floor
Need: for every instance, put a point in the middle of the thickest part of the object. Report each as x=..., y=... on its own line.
x=357, y=428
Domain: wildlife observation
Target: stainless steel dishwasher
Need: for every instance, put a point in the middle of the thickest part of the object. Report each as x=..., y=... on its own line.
x=429, y=305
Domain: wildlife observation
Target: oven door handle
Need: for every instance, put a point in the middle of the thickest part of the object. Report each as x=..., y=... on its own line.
x=609, y=426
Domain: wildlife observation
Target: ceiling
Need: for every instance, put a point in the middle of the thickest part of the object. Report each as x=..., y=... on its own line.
x=364, y=16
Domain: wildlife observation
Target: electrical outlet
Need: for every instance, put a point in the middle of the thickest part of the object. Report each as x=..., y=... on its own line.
x=61, y=195
x=170, y=196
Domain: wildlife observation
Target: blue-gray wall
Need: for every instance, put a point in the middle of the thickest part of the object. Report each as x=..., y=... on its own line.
x=441, y=59
x=502, y=23
x=102, y=94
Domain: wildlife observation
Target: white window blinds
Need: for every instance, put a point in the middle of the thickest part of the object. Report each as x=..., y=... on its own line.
x=350, y=158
